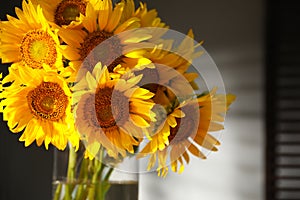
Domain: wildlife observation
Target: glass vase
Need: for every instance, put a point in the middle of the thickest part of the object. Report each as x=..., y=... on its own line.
x=78, y=178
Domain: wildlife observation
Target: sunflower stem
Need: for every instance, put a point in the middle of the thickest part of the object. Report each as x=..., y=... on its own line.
x=98, y=187
x=94, y=183
x=71, y=164
x=83, y=178
x=68, y=193
x=108, y=174
x=70, y=173
x=57, y=191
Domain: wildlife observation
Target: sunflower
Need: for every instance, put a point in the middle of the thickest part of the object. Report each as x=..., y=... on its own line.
x=41, y=106
x=64, y=12
x=178, y=57
x=171, y=63
x=111, y=113
x=28, y=40
x=99, y=26
x=148, y=18
x=186, y=130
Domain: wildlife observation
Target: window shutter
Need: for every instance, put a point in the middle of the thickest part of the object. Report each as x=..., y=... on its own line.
x=283, y=100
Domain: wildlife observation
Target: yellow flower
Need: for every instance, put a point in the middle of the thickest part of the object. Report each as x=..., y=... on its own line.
x=171, y=64
x=98, y=26
x=178, y=57
x=148, y=18
x=41, y=106
x=111, y=113
x=28, y=40
x=186, y=130
x=63, y=12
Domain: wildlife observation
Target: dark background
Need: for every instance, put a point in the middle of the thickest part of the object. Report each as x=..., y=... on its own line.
x=266, y=28
x=25, y=173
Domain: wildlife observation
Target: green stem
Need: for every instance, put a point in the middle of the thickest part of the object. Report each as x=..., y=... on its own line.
x=57, y=191
x=68, y=193
x=83, y=178
x=99, y=185
x=70, y=174
x=92, y=170
x=98, y=169
x=71, y=165
x=108, y=174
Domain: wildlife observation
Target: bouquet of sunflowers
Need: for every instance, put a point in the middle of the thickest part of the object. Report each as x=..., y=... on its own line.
x=103, y=77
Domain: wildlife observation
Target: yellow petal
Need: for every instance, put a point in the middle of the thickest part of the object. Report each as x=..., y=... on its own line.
x=139, y=121
x=127, y=25
x=171, y=121
x=178, y=113
x=104, y=12
x=115, y=17
x=89, y=20
x=230, y=98
x=92, y=84
x=196, y=152
x=70, y=53
x=141, y=93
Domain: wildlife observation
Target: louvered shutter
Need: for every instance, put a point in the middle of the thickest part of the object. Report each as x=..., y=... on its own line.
x=283, y=101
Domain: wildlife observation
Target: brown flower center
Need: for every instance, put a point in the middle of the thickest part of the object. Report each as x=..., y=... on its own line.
x=38, y=47
x=48, y=101
x=109, y=53
x=112, y=107
x=68, y=10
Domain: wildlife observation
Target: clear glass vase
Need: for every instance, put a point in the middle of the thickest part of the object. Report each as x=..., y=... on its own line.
x=78, y=178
